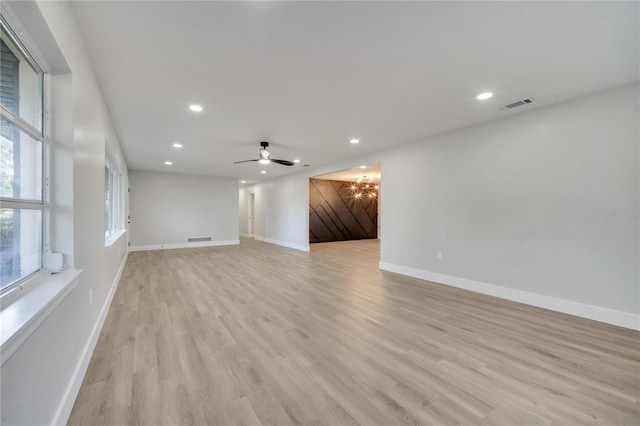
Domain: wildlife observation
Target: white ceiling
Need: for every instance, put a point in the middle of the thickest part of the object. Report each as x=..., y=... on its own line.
x=371, y=171
x=309, y=76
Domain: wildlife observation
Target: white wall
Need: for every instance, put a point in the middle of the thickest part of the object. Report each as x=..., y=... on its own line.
x=168, y=208
x=281, y=211
x=520, y=203
x=40, y=380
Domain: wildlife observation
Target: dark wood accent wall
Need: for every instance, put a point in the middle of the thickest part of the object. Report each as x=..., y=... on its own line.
x=334, y=215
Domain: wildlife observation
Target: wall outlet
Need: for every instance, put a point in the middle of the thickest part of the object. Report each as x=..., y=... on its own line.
x=439, y=255
x=90, y=297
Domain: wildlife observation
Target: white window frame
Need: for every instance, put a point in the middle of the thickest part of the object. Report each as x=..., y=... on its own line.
x=26, y=304
x=114, y=200
x=43, y=136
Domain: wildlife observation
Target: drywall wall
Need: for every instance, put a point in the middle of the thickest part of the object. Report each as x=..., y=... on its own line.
x=41, y=379
x=336, y=215
x=168, y=208
x=281, y=212
x=523, y=203
x=542, y=203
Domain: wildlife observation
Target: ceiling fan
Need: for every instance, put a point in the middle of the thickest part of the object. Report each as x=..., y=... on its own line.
x=264, y=157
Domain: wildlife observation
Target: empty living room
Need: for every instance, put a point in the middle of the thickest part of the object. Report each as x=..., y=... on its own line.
x=319, y=213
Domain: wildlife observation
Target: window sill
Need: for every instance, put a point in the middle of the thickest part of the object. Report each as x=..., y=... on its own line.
x=22, y=314
x=112, y=239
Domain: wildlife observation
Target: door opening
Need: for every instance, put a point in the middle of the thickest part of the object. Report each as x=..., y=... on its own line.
x=345, y=205
x=251, y=214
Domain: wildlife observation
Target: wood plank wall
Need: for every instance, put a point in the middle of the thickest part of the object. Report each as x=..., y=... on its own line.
x=334, y=215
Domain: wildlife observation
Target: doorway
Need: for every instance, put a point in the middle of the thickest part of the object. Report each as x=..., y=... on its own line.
x=251, y=225
x=345, y=205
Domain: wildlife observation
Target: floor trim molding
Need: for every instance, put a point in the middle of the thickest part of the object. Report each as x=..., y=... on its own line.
x=597, y=313
x=184, y=245
x=282, y=243
x=71, y=393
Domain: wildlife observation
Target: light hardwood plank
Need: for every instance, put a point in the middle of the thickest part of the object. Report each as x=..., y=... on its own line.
x=260, y=334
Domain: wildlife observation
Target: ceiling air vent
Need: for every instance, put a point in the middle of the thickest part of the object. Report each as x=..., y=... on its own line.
x=516, y=104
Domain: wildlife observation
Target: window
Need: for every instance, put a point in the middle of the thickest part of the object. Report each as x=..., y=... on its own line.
x=113, y=198
x=21, y=160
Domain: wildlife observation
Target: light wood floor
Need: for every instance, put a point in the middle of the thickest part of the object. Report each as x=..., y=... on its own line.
x=260, y=334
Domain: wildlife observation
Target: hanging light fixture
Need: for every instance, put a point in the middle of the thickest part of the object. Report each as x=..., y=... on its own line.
x=364, y=188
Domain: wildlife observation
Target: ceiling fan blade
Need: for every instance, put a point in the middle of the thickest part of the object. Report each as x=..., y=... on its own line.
x=245, y=161
x=283, y=162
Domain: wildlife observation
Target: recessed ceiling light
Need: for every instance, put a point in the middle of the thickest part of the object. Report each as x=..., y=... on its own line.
x=195, y=108
x=484, y=96
x=296, y=161
x=243, y=181
x=363, y=167
x=177, y=145
x=354, y=141
x=264, y=172
x=168, y=163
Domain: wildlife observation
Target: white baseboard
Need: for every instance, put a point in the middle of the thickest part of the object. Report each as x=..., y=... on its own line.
x=71, y=393
x=282, y=243
x=244, y=234
x=184, y=245
x=597, y=313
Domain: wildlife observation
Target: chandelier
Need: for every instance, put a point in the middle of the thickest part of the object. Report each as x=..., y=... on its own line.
x=364, y=188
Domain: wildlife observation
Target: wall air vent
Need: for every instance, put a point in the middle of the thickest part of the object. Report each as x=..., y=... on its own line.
x=516, y=104
x=198, y=239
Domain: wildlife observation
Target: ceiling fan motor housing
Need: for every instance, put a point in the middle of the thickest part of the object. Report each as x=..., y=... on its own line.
x=264, y=152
